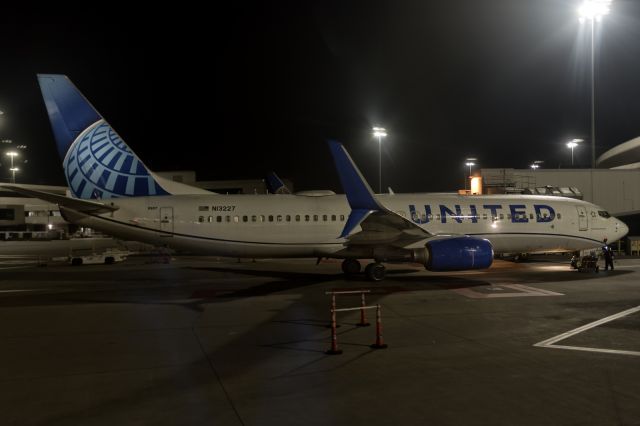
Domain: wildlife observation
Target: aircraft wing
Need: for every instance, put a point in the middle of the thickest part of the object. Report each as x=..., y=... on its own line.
x=380, y=226
x=61, y=200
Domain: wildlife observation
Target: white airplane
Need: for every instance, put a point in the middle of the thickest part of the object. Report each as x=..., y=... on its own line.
x=114, y=192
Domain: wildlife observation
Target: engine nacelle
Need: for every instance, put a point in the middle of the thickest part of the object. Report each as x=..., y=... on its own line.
x=458, y=254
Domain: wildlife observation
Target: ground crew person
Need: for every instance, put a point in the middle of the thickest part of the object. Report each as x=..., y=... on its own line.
x=607, y=253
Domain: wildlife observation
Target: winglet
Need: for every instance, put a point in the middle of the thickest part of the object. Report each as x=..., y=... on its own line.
x=358, y=192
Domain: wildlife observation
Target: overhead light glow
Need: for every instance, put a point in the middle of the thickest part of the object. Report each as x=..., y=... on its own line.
x=379, y=132
x=593, y=9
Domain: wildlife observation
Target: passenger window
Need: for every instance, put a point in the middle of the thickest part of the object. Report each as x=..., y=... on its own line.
x=201, y=219
x=228, y=218
x=315, y=217
x=501, y=216
x=261, y=218
x=270, y=218
x=236, y=219
x=210, y=219
x=287, y=218
x=593, y=214
x=559, y=216
x=218, y=218
x=297, y=218
x=279, y=218
x=508, y=216
x=254, y=218
x=324, y=217
x=341, y=218
x=306, y=218
x=430, y=216
x=531, y=216
x=333, y=218
x=484, y=216
x=437, y=217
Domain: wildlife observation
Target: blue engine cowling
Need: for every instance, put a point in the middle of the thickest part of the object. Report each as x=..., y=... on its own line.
x=458, y=254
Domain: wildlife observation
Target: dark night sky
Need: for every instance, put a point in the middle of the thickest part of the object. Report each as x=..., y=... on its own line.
x=243, y=89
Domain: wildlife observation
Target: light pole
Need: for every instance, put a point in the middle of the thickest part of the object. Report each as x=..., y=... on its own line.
x=593, y=10
x=379, y=132
x=12, y=154
x=470, y=162
x=13, y=174
x=572, y=144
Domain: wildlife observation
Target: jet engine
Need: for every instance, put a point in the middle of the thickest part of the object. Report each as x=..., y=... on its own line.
x=455, y=254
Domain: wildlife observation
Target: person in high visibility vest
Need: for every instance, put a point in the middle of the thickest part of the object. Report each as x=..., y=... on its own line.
x=607, y=253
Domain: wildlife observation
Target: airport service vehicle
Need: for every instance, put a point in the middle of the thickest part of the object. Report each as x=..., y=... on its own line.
x=108, y=257
x=114, y=192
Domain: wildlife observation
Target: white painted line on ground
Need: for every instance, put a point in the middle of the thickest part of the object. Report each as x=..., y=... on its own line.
x=520, y=291
x=550, y=343
x=586, y=349
x=15, y=291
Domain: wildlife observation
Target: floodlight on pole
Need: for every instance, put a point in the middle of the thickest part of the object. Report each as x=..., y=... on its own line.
x=12, y=154
x=536, y=164
x=593, y=10
x=379, y=132
x=469, y=162
x=572, y=144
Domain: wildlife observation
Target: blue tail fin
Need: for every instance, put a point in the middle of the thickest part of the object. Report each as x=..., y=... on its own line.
x=358, y=192
x=275, y=185
x=97, y=162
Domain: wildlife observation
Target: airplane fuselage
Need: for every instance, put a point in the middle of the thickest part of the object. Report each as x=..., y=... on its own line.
x=300, y=226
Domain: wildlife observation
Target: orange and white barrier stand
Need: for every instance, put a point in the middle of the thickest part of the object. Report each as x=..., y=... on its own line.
x=334, y=335
x=379, y=344
x=363, y=320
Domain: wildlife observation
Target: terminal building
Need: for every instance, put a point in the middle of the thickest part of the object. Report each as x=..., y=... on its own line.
x=613, y=185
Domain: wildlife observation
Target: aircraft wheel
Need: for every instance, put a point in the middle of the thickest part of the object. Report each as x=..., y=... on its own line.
x=351, y=266
x=375, y=271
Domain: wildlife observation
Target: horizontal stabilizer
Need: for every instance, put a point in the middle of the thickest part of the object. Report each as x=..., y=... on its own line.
x=76, y=204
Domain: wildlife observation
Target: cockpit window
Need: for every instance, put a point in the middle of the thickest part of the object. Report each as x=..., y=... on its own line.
x=604, y=214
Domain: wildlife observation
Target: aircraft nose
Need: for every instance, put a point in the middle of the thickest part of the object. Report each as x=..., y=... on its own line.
x=622, y=228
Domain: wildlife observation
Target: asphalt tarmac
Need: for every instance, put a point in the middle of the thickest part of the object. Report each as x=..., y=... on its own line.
x=211, y=341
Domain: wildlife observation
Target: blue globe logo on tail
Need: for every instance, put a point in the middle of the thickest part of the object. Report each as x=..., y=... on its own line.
x=100, y=165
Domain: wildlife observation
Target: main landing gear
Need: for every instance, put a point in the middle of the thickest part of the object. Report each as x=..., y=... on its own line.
x=374, y=271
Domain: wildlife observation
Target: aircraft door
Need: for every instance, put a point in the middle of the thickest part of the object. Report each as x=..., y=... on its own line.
x=166, y=220
x=583, y=220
